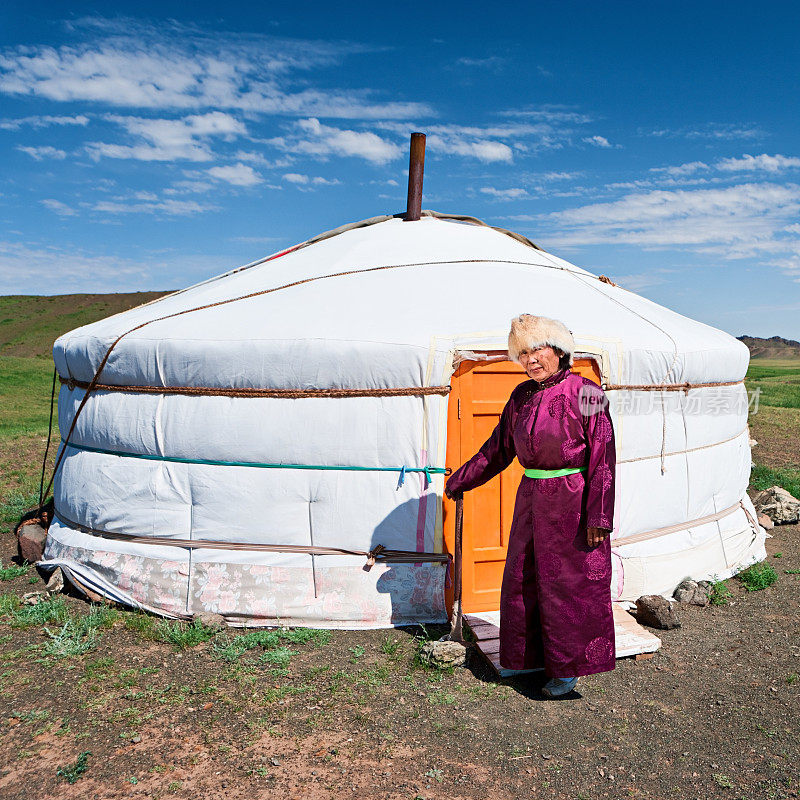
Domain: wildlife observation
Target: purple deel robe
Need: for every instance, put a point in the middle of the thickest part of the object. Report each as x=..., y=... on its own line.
x=555, y=602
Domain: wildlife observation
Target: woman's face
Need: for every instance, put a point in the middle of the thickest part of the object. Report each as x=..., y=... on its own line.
x=541, y=363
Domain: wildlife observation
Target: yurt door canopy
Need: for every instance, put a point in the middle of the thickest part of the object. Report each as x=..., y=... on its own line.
x=343, y=377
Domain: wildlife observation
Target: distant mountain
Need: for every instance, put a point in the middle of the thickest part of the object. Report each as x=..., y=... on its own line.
x=774, y=347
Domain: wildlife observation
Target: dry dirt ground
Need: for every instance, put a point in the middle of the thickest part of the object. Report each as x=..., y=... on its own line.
x=714, y=714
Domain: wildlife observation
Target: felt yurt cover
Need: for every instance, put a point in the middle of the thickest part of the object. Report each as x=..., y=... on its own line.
x=243, y=412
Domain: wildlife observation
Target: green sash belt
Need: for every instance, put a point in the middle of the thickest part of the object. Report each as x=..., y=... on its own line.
x=552, y=473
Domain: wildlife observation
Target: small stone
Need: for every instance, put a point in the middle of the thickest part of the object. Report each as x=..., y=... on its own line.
x=136, y=739
x=276, y=762
x=546, y=757
x=765, y=522
x=210, y=620
x=56, y=582
x=656, y=612
x=694, y=593
x=31, y=540
x=444, y=654
x=777, y=504
x=34, y=598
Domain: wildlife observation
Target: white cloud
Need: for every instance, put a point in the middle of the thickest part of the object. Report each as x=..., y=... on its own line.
x=177, y=67
x=189, y=187
x=505, y=194
x=551, y=114
x=597, y=141
x=747, y=163
x=689, y=168
x=486, y=151
x=306, y=182
x=322, y=141
x=734, y=222
x=236, y=175
x=710, y=131
x=36, y=269
x=62, y=209
x=168, y=207
x=294, y=177
x=40, y=153
x=490, y=143
x=42, y=122
x=182, y=139
x=493, y=63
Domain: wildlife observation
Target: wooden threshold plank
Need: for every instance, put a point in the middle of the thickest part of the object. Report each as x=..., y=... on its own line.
x=631, y=638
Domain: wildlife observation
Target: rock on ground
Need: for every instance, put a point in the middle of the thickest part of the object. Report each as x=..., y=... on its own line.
x=443, y=654
x=656, y=612
x=765, y=522
x=697, y=593
x=210, y=620
x=777, y=504
x=56, y=582
x=31, y=541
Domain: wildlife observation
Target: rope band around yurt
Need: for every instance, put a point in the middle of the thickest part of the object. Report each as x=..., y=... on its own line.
x=378, y=553
x=667, y=387
x=290, y=394
x=92, y=385
x=403, y=470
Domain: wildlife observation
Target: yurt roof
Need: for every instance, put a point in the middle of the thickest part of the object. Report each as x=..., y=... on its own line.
x=368, y=305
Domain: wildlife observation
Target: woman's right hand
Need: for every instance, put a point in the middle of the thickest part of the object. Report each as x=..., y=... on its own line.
x=453, y=495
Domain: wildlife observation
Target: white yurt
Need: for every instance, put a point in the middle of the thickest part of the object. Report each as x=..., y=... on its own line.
x=271, y=444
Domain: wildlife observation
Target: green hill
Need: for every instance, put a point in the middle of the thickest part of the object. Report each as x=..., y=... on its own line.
x=776, y=347
x=29, y=324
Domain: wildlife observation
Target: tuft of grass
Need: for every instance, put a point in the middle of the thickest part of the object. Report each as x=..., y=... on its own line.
x=74, y=639
x=390, y=646
x=79, y=634
x=280, y=656
x=787, y=477
x=233, y=648
x=181, y=634
x=357, y=653
x=720, y=593
x=13, y=571
x=723, y=780
x=757, y=577
x=17, y=503
x=71, y=773
x=48, y=611
x=9, y=603
x=142, y=623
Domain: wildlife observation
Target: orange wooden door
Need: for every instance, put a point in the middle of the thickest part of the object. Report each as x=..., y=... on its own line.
x=479, y=393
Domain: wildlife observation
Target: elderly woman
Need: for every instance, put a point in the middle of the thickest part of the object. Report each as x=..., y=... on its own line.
x=555, y=603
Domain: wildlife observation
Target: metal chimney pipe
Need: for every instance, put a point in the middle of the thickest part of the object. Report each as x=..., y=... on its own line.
x=416, y=167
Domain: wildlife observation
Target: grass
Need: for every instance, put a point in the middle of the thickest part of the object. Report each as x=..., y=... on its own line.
x=71, y=773
x=720, y=593
x=182, y=635
x=16, y=503
x=778, y=380
x=757, y=577
x=788, y=478
x=13, y=571
x=47, y=612
x=231, y=649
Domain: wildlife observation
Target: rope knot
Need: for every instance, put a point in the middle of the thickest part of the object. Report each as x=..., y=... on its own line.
x=71, y=384
x=373, y=554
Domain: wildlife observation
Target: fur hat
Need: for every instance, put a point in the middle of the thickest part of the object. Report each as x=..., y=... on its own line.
x=529, y=332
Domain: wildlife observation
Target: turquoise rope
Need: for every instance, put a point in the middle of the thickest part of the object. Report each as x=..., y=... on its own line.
x=427, y=471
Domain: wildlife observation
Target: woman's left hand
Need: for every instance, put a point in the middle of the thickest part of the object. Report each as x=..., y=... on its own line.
x=596, y=536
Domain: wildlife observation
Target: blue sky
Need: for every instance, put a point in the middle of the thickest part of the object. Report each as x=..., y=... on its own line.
x=151, y=145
